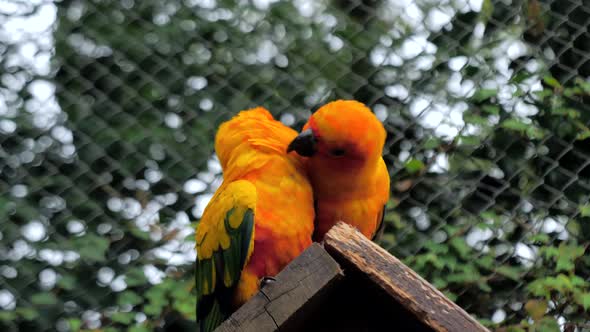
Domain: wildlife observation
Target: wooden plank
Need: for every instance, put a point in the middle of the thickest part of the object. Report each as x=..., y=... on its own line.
x=428, y=304
x=251, y=317
x=295, y=286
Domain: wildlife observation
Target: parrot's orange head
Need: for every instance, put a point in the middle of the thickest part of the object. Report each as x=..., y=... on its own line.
x=341, y=132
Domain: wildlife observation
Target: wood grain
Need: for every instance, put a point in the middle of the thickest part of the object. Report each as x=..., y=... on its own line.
x=352, y=249
x=300, y=283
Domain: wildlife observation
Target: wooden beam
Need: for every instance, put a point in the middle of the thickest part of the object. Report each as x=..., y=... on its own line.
x=300, y=283
x=429, y=305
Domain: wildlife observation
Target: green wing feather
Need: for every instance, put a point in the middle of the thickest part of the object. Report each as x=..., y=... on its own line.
x=224, y=251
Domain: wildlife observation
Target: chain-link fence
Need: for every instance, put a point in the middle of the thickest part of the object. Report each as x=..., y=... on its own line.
x=108, y=109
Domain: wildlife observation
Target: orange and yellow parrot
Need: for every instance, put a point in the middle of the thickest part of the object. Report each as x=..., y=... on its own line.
x=259, y=219
x=343, y=142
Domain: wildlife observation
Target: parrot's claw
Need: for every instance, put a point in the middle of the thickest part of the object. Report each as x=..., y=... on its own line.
x=266, y=281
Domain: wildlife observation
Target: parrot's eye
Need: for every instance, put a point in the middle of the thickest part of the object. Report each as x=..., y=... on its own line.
x=337, y=152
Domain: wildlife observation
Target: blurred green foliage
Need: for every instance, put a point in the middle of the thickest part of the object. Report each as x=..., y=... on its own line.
x=488, y=148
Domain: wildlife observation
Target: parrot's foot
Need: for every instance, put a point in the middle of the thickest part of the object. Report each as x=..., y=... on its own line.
x=266, y=281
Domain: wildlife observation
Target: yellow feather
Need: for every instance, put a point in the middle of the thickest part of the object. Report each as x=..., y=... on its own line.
x=211, y=234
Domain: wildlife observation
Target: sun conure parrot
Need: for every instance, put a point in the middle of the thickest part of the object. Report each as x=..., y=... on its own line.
x=259, y=219
x=343, y=141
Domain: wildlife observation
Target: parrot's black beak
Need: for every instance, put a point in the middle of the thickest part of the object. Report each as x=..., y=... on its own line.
x=304, y=144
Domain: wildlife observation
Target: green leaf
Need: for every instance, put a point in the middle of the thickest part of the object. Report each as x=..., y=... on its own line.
x=186, y=306
x=451, y=230
x=470, y=140
x=577, y=281
x=439, y=283
x=449, y=262
x=67, y=282
x=414, y=165
x=534, y=132
x=475, y=119
x=459, y=244
x=561, y=283
x=571, y=92
x=487, y=10
x=123, y=317
x=483, y=94
x=7, y=316
x=452, y=296
x=463, y=277
x=540, y=237
x=27, y=313
x=573, y=226
x=546, y=93
x=518, y=92
x=44, y=299
x=135, y=277
x=491, y=109
x=585, y=210
x=431, y=143
x=156, y=295
x=91, y=247
x=579, y=82
x=566, y=111
x=520, y=76
x=549, y=251
x=564, y=264
x=584, y=134
x=547, y=324
x=485, y=321
x=486, y=262
x=129, y=297
x=515, y=124
x=583, y=299
x=75, y=324
x=157, y=300
x=471, y=163
x=552, y=82
x=387, y=240
x=539, y=288
x=436, y=248
x=139, y=233
x=420, y=261
x=152, y=310
x=567, y=256
x=490, y=215
x=139, y=328
x=509, y=272
x=484, y=286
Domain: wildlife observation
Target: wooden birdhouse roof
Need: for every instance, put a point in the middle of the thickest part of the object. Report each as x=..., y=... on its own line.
x=349, y=283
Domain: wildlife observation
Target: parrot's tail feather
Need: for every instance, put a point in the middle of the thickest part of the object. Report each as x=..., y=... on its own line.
x=213, y=319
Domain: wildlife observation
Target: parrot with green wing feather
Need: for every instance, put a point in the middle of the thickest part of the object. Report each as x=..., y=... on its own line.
x=258, y=220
